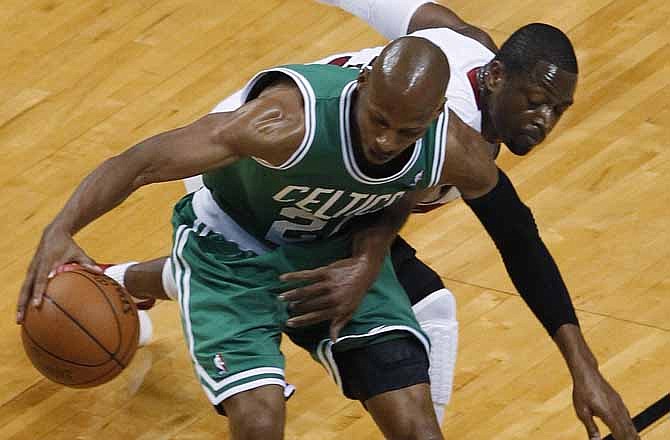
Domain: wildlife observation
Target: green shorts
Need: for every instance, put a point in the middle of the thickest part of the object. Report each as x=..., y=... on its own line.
x=233, y=320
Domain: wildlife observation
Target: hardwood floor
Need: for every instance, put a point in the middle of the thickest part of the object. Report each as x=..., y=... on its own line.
x=84, y=80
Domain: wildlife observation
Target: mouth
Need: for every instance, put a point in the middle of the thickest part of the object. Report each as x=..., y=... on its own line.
x=378, y=155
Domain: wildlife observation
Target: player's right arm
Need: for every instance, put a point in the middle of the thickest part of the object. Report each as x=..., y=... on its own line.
x=269, y=127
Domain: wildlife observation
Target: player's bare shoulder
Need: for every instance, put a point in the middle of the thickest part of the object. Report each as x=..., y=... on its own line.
x=270, y=126
x=469, y=163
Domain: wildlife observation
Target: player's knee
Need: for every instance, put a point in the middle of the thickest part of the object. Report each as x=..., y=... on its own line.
x=416, y=432
x=257, y=413
x=439, y=305
x=414, y=425
x=416, y=421
x=265, y=424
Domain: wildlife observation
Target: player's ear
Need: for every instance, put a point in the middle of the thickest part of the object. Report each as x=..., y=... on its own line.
x=440, y=108
x=363, y=78
x=495, y=75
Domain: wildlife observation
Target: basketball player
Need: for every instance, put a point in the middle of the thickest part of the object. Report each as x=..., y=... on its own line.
x=384, y=134
x=494, y=108
x=392, y=21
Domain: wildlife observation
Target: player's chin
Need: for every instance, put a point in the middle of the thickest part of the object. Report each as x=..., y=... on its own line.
x=376, y=157
x=521, y=145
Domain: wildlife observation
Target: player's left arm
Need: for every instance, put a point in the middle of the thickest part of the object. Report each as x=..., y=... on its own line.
x=510, y=223
x=336, y=290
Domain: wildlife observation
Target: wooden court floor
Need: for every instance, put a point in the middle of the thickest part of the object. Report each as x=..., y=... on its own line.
x=83, y=80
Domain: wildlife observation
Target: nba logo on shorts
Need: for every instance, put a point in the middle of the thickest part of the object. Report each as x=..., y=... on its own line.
x=220, y=364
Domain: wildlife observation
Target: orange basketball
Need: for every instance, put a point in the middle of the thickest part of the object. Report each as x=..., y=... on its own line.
x=84, y=333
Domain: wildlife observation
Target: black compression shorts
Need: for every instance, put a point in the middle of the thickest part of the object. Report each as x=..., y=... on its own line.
x=375, y=369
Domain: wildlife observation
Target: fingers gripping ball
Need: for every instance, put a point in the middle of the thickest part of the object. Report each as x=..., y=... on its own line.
x=84, y=333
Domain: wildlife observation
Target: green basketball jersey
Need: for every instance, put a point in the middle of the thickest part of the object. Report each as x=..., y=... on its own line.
x=320, y=187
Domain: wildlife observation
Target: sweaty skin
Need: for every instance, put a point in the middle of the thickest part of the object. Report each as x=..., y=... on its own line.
x=521, y=109
x=396, y=100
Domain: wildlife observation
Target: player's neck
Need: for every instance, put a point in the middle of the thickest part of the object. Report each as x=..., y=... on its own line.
x=488, y=130
x=482, y=95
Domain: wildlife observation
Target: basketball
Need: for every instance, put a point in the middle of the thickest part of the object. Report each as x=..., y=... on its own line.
x=84, y=333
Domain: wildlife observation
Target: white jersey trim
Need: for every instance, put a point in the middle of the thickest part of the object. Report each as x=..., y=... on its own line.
x=348, y=150
x=309, y=98
x=215, y=400
x=440, y=150
x=208, y=213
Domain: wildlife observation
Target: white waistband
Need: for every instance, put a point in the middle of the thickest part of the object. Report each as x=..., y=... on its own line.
x=213, y=217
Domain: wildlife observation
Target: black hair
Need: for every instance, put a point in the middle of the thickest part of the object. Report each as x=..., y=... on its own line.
x=537, y=42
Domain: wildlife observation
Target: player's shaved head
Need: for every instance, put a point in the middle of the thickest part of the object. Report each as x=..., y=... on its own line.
x=411, y=72
x=399, y=97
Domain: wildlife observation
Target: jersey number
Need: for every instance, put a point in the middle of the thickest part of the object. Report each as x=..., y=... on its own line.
x=283, y=231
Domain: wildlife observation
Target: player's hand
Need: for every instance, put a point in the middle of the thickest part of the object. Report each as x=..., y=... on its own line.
x=56, y=248
x=333, y=293
x=592, y=397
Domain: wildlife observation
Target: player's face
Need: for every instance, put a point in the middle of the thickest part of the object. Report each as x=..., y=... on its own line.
x=387, y=127
x=528, y=105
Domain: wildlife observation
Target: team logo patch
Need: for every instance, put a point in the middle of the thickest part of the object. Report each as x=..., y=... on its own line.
x=417, y=178
x=220, y=364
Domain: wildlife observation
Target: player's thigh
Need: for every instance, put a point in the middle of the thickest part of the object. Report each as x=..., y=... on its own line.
x=383, y=317
x=397, y=362
x=231, y=319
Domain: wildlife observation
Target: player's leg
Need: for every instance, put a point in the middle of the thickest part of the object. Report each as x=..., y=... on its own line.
x=144, y=281
x=381, y=350
x=257, y=414
x=405, y=413
x=435, y=308
x=390, y=18
x=231, y=322
x=391, y=380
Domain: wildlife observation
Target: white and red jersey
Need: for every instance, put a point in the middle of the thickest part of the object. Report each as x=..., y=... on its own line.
x=465, y=56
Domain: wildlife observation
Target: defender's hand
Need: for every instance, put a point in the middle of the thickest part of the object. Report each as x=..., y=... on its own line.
x=56, y=248
x=592, y=397
x=333, y=293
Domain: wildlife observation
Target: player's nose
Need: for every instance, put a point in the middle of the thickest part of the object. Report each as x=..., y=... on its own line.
x=387, y=141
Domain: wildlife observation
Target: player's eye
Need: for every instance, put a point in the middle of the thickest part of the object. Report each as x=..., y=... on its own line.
x=410, y=132
x=380, y=121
